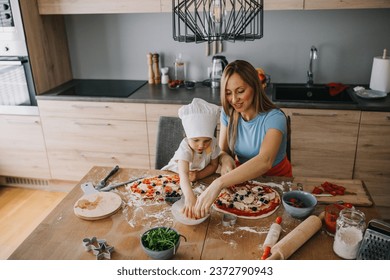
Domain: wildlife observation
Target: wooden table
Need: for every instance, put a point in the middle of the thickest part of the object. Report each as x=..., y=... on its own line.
x=60, y=235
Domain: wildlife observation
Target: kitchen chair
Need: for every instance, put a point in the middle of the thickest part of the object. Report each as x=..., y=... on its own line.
x=169, y=135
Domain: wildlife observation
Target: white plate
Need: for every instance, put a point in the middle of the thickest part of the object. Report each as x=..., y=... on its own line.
x=179, y=216
x=370, y=94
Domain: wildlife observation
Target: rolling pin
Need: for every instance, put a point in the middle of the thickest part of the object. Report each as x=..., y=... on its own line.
x=272, y=237
x=295, y=239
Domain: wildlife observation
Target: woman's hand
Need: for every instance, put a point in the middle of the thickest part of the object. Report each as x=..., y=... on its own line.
x=204, y=201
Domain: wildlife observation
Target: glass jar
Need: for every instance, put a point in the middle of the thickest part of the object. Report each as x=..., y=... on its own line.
x=350, y=226
x=180, y=69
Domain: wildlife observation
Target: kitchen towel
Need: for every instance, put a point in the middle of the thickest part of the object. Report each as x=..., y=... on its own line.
x=380, y=74
x=336, y=88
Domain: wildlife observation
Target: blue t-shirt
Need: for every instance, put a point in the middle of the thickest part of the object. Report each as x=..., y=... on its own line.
x=250, y=134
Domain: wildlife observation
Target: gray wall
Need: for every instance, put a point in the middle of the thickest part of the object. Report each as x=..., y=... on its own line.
x=115, y=46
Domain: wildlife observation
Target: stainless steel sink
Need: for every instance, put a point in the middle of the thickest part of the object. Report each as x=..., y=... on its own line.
x=316, y=93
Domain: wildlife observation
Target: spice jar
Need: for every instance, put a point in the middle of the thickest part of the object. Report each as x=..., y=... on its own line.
x=350, y=226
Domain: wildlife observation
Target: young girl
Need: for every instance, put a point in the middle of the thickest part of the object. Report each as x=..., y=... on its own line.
x=197, y=155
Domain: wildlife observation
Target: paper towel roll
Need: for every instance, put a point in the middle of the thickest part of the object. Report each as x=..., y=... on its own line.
x=380, y=74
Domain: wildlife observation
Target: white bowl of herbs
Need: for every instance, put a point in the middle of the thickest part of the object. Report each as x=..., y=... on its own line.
x=161, y=243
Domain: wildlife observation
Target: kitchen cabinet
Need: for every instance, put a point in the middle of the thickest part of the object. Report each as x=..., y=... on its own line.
x=81, y=134
x=323, y=142
x=47, y=47
x=283, y=4
x=52, y=7
x=22, y=147
x=99, y=6
x=351, y=4
x=373, y=155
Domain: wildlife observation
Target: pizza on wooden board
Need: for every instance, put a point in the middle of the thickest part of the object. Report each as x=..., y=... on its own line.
x=156, y=187
x=250, y=200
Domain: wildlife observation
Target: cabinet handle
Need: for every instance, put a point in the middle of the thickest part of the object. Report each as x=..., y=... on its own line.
x=22, y=122
x=92, y=157
x=93, y=124
x=314, y=115
x=90, y=107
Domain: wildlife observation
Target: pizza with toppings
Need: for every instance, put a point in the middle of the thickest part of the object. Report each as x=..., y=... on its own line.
x=156, y=187
x=250, y=200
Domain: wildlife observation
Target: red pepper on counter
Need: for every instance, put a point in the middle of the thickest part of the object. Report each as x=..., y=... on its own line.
x=317, y=190
x=331, y=188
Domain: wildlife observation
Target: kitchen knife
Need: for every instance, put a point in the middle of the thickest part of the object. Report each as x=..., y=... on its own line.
x=330, y=195
x=113, y=186
x=103, y=182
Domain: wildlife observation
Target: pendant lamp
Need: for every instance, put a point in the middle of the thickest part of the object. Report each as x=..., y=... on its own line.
x=217, y=20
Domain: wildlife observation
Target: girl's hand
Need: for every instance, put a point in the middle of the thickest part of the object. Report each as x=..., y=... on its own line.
x=189, y=204
x=227, y=165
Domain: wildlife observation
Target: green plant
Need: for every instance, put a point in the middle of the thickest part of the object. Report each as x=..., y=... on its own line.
x=160, y=239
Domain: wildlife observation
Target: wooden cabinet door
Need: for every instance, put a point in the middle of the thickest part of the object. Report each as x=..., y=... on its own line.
x=323, y=142
x=47, y=46
x=98, y=6
x=81, y=134
x=283, y=4
x=373, y=155
x=74, y=146
x=22, y=147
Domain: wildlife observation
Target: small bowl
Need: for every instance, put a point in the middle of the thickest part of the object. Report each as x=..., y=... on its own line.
x=164, y=254
x=299, y=204
x=189, y=84
x=180, y=217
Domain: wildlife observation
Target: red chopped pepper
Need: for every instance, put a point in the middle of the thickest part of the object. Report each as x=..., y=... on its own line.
x=330, y=188
x=317, y=190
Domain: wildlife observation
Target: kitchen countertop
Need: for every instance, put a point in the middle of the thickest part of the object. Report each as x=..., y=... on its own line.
x=162, y=94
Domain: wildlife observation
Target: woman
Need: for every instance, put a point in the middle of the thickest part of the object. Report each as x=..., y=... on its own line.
x=253, y=134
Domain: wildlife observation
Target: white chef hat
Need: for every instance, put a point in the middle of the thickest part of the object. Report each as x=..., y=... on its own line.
x=199, y=118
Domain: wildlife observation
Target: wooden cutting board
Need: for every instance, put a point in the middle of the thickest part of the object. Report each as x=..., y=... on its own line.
x=97, y=205
x=354, y=186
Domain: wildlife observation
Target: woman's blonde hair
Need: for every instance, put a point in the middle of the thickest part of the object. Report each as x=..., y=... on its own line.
x=260, y=100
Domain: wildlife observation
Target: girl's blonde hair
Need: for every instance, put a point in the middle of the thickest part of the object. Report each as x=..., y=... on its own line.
x=261, y=101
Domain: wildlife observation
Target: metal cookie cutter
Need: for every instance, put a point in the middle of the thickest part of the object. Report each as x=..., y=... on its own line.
x=98, y=247
x=229, y=220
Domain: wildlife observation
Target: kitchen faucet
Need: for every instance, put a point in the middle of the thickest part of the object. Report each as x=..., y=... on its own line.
x=313, y=56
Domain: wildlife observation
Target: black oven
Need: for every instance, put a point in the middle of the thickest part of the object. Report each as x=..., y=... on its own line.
x=16, y=83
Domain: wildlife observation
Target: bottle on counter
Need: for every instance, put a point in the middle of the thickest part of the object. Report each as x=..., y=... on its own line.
x=180, y=69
